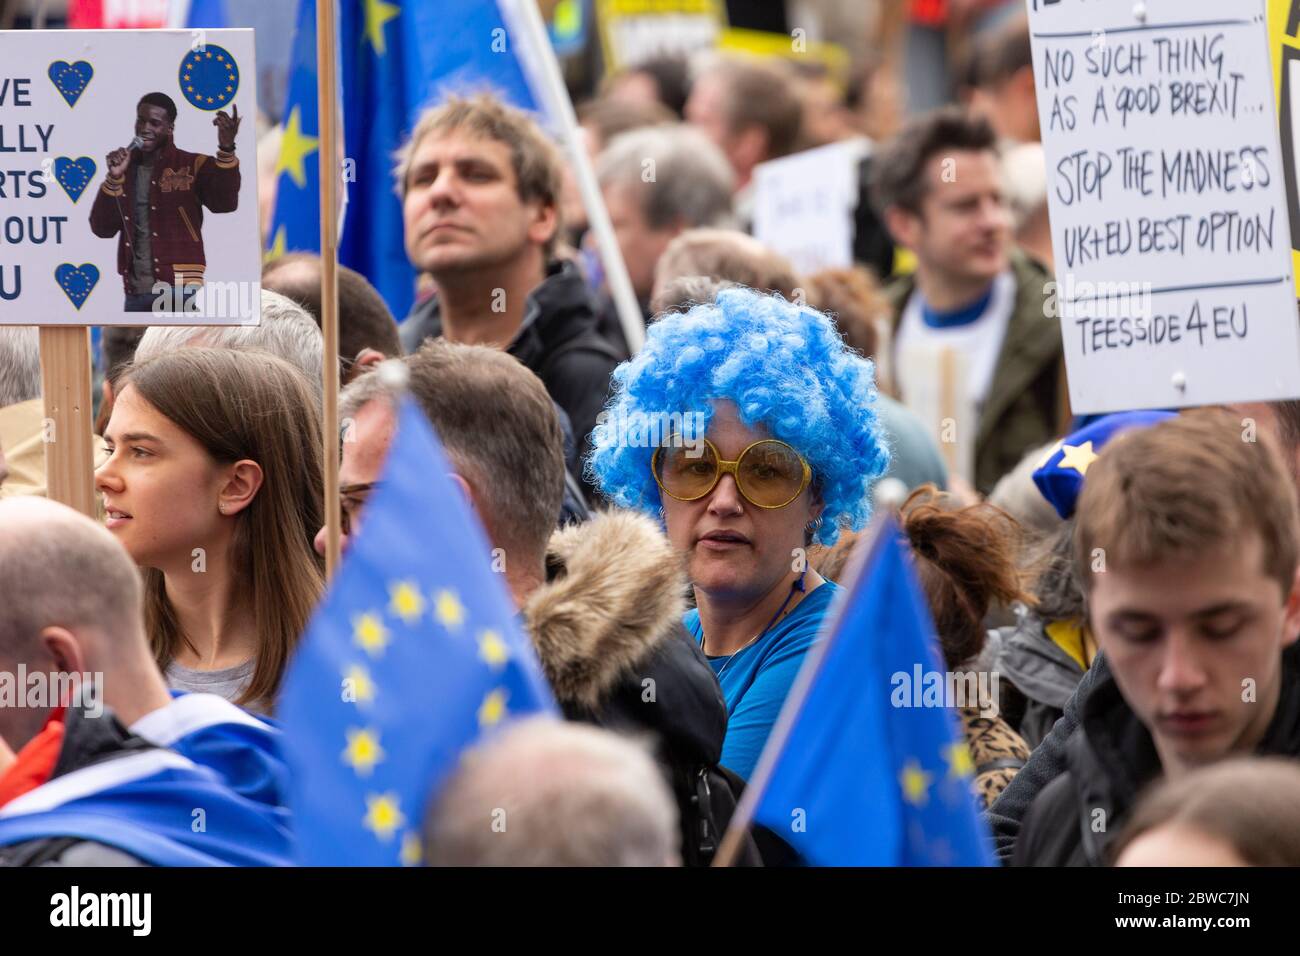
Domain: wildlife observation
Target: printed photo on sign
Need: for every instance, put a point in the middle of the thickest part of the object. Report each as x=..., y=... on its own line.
x=129, y=195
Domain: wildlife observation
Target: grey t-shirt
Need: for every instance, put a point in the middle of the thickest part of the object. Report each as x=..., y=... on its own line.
x=228, y=682
x=141, y=246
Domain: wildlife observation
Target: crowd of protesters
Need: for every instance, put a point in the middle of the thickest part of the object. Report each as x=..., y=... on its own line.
x=1137, y=614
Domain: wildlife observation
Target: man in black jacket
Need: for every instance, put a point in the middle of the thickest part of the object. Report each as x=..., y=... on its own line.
x=1186, y=545
x=480, y=185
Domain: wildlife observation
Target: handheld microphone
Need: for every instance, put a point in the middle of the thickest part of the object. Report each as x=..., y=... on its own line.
x=136, y=143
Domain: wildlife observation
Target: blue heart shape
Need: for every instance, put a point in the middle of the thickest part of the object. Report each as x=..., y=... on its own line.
x=77, y=281
x=74, y=175
x=70, y=79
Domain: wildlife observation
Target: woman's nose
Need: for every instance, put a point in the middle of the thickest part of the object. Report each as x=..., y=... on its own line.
x=725, y=498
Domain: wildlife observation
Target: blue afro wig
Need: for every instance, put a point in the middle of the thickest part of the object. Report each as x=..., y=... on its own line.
x=784, y=366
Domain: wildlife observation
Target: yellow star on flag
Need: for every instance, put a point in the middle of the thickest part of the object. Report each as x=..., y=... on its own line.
x=448, y=609
x=916, y=783
x=363, y=750
x=406, y=601
x=369, y=632
x=959, y=762
x=492, y=650
x=363, y=687
x=383, y=815
x=279, y=246
x=493, y=708
x=1078, y=457
x=377, y=14
x=412, y=853
x=295, y=147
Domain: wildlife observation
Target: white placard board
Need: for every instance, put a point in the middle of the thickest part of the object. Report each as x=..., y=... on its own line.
x=68, y=98
x=1168, y=210
x=804, y=204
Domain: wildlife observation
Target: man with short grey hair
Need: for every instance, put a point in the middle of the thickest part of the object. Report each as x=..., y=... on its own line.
x=22, y=413
x=657, y=182
x=551, y=793
x=286, y=331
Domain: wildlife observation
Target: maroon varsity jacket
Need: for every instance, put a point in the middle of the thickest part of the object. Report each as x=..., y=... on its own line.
x=183, y=183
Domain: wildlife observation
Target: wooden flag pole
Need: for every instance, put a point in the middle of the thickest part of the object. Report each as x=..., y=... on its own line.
x=743, y=818
x=327, y=95
x=65, y=378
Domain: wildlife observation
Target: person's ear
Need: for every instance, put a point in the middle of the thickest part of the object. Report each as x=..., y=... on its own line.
x=366, y=360
x=1023, y=80
x=7, y=757
x=468, y=493
x=816, y=504
x=544, y=224
x=1291, y=612
x=243, y=481
x=903, y=225
x=65, y=652
x=750, y=146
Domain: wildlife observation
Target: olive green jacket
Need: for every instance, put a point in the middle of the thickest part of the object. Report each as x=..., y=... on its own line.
x=1028, y=402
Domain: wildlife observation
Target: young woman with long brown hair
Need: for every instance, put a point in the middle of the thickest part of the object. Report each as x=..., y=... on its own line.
x=213, y=484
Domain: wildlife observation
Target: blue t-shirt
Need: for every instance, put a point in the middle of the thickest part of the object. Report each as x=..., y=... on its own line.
x=759, y=676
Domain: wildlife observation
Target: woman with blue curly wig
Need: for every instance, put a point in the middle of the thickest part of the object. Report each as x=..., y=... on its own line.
x=751, y=429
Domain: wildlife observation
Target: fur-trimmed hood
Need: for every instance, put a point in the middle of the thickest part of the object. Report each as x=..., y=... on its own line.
x=608, y=632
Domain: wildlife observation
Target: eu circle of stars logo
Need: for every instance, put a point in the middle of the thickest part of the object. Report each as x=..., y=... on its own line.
x=209, y=77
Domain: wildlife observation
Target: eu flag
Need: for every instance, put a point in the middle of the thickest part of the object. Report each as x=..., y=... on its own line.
x=396, y=58
x=858, y=781
x=413, y=655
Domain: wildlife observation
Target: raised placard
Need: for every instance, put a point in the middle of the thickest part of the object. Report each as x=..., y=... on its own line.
x=1169, y=214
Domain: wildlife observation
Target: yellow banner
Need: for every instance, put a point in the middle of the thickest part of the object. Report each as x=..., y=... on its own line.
x=1284, y=47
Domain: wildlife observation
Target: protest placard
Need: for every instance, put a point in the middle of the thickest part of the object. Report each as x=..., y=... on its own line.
x=115, y=194
x=633, y=31
x=803, y=205
x=1168, y=207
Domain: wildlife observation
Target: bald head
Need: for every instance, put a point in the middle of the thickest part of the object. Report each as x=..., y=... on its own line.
x=60, y=569
x=547, y=792
x=72, y=612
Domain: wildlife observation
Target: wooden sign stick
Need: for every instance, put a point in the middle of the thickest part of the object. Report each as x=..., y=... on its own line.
x=65, y=383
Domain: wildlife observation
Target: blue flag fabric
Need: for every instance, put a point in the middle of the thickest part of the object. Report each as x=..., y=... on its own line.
x=413, y=655
x=1064, y=466
x=866, y=777
x=207, y=14
x=245, y=751
x=156, y=805
x=396, y=58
